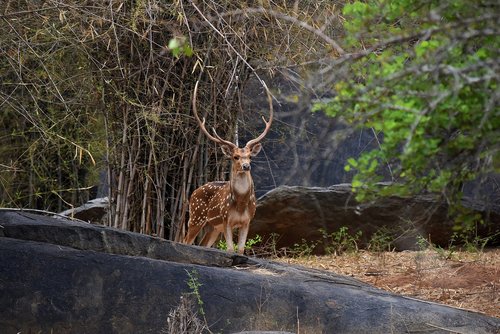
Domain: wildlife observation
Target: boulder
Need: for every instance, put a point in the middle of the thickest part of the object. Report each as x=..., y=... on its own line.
x=93, y=211
x=62, y=276
x=297, y=213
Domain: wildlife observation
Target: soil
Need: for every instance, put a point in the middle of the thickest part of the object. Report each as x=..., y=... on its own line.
x=460, y=279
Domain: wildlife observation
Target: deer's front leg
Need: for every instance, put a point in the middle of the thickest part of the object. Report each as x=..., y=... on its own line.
x=228, y=235
x=242, y=237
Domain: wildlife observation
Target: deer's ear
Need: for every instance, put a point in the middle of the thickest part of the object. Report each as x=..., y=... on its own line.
x=255, y=149
x=227, y=150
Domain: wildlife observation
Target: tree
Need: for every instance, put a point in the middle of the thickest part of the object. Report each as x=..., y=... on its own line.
x=423, y=75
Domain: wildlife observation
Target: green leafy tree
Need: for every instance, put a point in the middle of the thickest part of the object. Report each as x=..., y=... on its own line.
x=423, y=75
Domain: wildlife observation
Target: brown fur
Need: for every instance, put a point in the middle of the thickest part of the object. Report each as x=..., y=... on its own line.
x=221, y=207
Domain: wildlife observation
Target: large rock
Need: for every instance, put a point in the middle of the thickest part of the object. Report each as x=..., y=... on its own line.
x=60, y=276
x=93, y=211
x=296, y=213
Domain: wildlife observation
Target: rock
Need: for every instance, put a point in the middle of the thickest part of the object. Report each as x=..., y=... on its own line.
x=61, y=276
x=296, y=213
x=78, y=235
x=263, y=332
x=94, y=211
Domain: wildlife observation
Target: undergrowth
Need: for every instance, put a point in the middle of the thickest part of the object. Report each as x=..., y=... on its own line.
x=189, y=316
x=344, y=241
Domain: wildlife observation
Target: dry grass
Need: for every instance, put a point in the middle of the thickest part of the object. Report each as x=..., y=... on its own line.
x=184, y=320
x=459, y=279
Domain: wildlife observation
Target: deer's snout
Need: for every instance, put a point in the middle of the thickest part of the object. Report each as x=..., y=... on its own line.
x=245, y=166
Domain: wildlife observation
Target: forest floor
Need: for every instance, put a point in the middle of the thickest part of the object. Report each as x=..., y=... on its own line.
x=460, y=279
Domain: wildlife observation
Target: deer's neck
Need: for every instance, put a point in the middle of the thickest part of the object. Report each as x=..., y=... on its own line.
x=241, y=186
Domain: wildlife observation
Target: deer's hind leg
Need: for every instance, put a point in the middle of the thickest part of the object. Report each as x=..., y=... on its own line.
x=192, y=232
x=211, y=235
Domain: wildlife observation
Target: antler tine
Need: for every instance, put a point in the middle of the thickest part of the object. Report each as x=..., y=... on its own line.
x=217, y=138
x=220, y=139
x=268, y=123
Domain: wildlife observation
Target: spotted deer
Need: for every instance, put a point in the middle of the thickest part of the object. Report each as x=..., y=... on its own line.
x=221, y=207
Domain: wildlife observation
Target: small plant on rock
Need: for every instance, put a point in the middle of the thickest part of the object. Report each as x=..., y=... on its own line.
x=184, y=319
x=194, y=284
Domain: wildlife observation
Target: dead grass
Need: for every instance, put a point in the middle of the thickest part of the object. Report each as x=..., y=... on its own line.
x=184, y=320
x=459, y=279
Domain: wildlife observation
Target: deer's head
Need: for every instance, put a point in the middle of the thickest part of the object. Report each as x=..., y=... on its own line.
x=241, y=157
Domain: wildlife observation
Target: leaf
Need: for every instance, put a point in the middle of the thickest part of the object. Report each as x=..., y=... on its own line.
x=173, y=44
x=356, y=183
x=352, y=162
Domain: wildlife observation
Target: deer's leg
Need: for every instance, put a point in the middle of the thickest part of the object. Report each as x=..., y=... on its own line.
x=228, y=235
x=242, y=238
x=210, y=236
x=192, y=232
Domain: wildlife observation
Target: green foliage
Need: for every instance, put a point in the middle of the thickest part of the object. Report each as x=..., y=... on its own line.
x=222, y=245
x=469, y=238
x=51, y=138
x=341, y=241
x=423, y=243
x=179, y=47
x=443, y=253
x=381, y=241
x=303, y=249
x=464, y=239
x=476, y=244
x=429, y=88
x=194, y=285
x=253, y=241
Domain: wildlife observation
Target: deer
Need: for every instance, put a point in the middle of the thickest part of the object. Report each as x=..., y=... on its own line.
x=223, y=206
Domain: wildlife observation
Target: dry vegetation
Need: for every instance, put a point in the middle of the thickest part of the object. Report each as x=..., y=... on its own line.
x=92, y=88
x=460, y=279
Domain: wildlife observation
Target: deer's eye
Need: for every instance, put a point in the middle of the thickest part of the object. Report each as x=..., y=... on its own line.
x=236, y=157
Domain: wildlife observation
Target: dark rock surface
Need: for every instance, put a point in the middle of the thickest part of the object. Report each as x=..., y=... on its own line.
x=263, y=332
x=297, y=213
x=84, y=236
x=61, y=276
x=93, y=211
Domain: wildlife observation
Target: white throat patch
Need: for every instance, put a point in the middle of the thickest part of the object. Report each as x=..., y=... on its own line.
x=242, y=184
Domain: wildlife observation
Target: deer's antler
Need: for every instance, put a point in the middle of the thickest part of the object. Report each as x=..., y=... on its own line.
x=217, y=138
x=268, y=123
